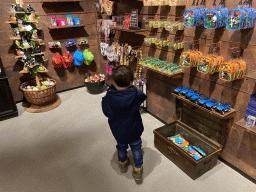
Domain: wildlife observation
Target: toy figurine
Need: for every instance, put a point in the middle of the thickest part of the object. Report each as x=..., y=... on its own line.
x=25, y=43
x=13, y=18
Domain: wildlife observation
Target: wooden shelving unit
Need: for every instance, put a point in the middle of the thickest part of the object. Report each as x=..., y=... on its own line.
x=16, y=38
x=141, y=31
x=35, y=65
x=23, y=72
x=35, y=21
x=242, y=122
x=66, y=27
x=21, y=12
x=225, y=116
x=58, y=1
x=42, y=53
x=175, y=75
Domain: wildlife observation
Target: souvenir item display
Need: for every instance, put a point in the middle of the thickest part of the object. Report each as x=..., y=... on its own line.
x=232, y=70
x=68, y=60
x=105, y=28
x=55, y=44
x=168, y=25
x=163, y=2
x=20, y=52
x=95, y=78
x=164, y=43
x=127, y=21
x=81, y=41
x=193, y=151
x=70, y=20
x=163, y=66
x=70, y=43
x=191, y=17
x=57, y=60
x=53, y=21
x=206, y=102
x=78, y=58
x=76, y=21
x=88, y=57
x=61, y=22
x=190, y=58
x=210, y=64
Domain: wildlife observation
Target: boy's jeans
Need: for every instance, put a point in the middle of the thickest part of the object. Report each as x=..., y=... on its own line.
x=136, y=151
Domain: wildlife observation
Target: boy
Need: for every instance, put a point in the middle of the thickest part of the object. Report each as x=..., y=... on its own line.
x=121, y=105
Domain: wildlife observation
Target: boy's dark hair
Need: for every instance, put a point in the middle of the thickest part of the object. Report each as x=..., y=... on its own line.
x=123, y=75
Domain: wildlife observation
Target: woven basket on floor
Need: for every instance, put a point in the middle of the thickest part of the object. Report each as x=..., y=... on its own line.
x=40, y=97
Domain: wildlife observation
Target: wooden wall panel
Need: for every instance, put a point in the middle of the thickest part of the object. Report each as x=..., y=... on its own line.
x=66, y=78
x=240, y=147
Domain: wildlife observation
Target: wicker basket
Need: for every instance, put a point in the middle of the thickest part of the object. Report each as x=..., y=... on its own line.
x=39, y=97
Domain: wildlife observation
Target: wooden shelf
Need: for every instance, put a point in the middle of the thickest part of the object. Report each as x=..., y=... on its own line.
x=128, y=30
x=58, y=1
x=35, y=65
x=241, y=123
x=45, y=71
x=21, y=12
x=35, y=21
x=42, y=53
x=16, y=38
x=175, y=75
x=66, y=27
x=225, y=116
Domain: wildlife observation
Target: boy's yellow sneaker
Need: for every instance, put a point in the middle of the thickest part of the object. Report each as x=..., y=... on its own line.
x=137, y=173
x=124, y=165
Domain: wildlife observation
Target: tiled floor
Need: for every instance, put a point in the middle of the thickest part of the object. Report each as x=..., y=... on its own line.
x=71, y=149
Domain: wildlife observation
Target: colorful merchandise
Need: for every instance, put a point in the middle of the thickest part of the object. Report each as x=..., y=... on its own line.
x=78, y=58
x=61, y=22
x=53, y=21
x=70, y=21
x=57, y=60
x=70, y=43
x=190, y=58
x=195, y=152
x=232, y=70
x=209, y=64
x=68, y=60
x=95, y=78
x=55, y=44
x=76, y=21
x=88, y=57
x=81, y=41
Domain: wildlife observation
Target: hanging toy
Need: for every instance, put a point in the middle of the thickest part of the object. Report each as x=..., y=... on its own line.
x=30, y=8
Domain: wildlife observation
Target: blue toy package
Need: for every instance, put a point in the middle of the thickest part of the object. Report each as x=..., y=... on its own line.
x=203, y=100
x=223, y=108
x=195, y=98
x=185, y=91
x=178, y=90
x=190, y=17
x=190, y=94
x=237, y=18
x=216, y=17
x=212, y=104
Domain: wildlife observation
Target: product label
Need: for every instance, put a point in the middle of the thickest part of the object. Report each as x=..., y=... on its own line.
x=134, y=18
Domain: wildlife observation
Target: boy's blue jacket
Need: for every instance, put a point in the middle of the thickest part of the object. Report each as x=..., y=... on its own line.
x=122, y=109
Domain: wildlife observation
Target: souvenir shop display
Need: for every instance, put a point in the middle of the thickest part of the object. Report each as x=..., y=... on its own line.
x=233, y=69
x=190, y=58
x=167, y=25
x=70, y=43
x=95, y=78
x=200, y=99
x=76, y=21
x=78, y=58
x=250, y=113
x=70, y=21
x=57, y=60
x=104, y=29
x=35, y=91
x=216, y=17
x=193, y=17
x=68, y=60
x=53, y=21
x=164, y=43
x=210, y=63
x=61, y=22
x=55, y=44
x=195, y=152
x=241, y=17
x=81, y=41
x=162, y=66
x=127, y=21
x=88, y=57
x=124, y=54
